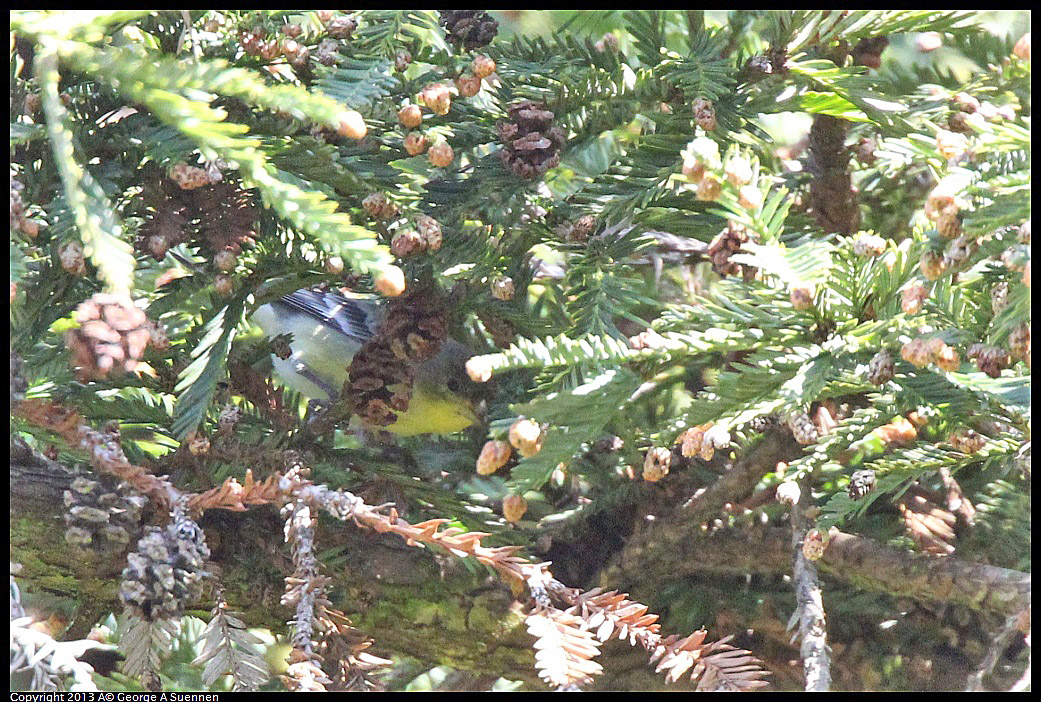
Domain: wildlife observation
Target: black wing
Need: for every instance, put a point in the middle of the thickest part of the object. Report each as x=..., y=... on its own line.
x=355, y=318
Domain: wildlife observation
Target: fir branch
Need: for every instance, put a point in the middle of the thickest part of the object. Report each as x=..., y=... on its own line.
x=197, y=383
x=228, y=648
x=309, y=211
x=563, y=648
x=145, y=644
x=96, y=221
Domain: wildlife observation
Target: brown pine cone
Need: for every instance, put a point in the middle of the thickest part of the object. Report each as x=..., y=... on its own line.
x=531, y=143
x=992, y=360
x=382, y=373
x=226, y=215
x=379, y=384
x=725, y=245
x=111, y=337
x=470, y=29
x=415, y=327
x=164, y=574
x=881, y=368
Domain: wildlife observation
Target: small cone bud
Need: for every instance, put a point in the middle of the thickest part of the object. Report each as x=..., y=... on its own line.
x=437, y=98
x=430, y=230
x=912, y=297
x=869, y=245
x=407, y=243
x=391, y=282
x=503, y=288
x=416, y=143
x=814, y=545
x=479, y=369
x=739, y=171
x=709, y=189
x=951, y=145
x=71, y=256
x=788, y=493
x=693, y=169
x=352, y=125
x=947, y=358
x=656, y=464
x=199, y=446
x=402, y=59
x=482, y=67
x=224, y=285
x=526, y=436
x=410, y=116
x=801, y=297
x=441, y=154
x=881, y=368
x=494, y=456
x=750, y=197
x=468, y=85
x=916, y=353
x=225, y=261
x=932, y=265
x=334, y=265
x=513, y=508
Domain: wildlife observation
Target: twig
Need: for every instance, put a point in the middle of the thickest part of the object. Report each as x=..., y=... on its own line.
x=189, y=32
x=816, y=660
x=997, y=648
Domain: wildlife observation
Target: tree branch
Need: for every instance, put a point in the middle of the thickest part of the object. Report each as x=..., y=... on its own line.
x=683, y=549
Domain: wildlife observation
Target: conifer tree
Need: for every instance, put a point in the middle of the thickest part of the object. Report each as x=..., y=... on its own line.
x=759, y=410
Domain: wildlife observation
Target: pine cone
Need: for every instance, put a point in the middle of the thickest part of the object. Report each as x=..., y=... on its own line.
x=764, y=423
x=531, y=143
x=992, y=360
x=1019, y=343
x=382, y=373
x=881, y=368
x=803, y=428
x=861, y=483
x=868, y=51
x=470, y=29
x=222, y=213
x=165, y=573
x=725, y=245
x=415, y=327
x=102, y=514
x=656, y=464
x=379, y=384
x=111, y=337
x=227, y=216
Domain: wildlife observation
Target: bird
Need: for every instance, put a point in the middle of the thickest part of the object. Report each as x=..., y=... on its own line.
x=328, y=328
